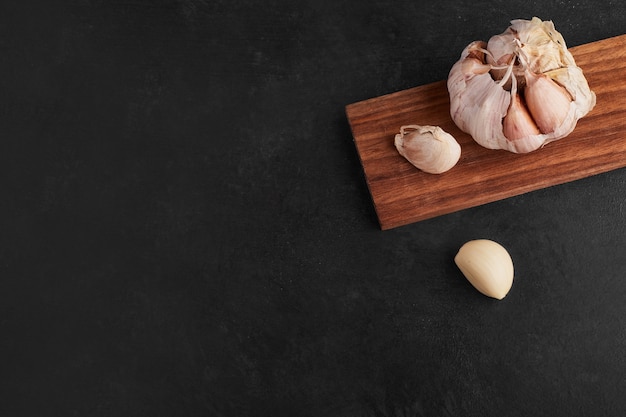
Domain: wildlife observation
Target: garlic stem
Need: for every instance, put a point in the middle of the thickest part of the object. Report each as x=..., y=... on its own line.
x=507, y=75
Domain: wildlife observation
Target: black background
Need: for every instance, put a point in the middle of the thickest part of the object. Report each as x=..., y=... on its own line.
x=186, y=229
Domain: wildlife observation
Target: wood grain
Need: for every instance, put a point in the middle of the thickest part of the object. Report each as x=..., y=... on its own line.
x=402, y=194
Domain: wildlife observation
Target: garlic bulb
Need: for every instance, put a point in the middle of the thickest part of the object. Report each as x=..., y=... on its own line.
x=429, y=148
x=519, y=91
x=487, y=266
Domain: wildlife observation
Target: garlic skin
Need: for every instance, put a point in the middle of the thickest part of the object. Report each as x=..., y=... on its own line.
x=526, y=70
x=429, y=148
x=487, y=266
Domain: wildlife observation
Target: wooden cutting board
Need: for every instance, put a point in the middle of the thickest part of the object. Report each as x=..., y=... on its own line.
x=402, y=194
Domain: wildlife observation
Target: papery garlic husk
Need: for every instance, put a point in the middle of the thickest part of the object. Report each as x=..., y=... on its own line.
x=488, y=266
x=532, y=56
x=428, y=148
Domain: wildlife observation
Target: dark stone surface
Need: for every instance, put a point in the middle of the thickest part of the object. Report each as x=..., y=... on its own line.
x=186, y=230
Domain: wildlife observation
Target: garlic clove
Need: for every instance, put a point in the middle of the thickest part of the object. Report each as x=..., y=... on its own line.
x=428, y=148
x=475, y=66
x=547, y=101
x=518, y=123
x=502, y=52
x=487, y=266
x=501, y=48
x=475, y=62
x=575, y=83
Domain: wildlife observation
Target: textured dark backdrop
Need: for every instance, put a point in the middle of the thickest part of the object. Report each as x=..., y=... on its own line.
x=186, y=229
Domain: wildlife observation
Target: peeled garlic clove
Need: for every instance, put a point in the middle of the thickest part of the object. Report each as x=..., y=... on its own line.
x=429, y=148
x=487, y=266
